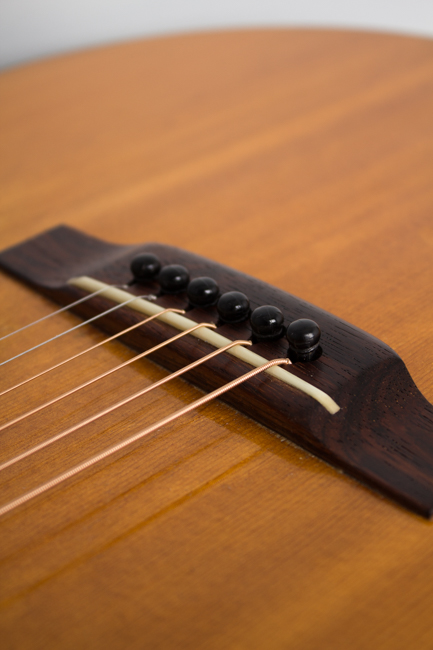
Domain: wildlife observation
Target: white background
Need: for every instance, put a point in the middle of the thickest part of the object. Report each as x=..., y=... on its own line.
x=34, y=28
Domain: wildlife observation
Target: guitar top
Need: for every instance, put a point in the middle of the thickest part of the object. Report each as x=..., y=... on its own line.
x=302, y=159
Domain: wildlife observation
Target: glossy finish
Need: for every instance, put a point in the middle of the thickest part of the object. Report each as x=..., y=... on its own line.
x=202, y=292
x=145, y=267
x=267, y=322
x=217, y=533
x=233, y=307
x=173, y=278
x=303, y=336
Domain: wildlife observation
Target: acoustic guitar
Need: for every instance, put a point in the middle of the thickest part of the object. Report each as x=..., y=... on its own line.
x=302, y=159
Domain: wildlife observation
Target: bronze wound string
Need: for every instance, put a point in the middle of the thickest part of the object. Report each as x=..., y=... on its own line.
x=59, y=311
x=125, y=443
x=117, y=405
x=72, y=329
x=215, y=339
x=93, y=347
x=105, y=374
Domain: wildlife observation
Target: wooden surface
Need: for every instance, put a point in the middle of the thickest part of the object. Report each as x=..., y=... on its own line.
x=381, y=430
x=302, y=158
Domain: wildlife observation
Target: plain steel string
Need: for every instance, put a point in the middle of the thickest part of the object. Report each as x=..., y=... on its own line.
x=111, y=450
x=59, y=311
x=109, y=409
x=93, y=347
x=104, y=374
x=72, y=329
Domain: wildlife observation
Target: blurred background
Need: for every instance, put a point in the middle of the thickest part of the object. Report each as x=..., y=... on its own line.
x=30, y=29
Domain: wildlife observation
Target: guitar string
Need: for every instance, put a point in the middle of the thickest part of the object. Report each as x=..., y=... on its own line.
x=59, y=311
x=72, y=329
x=215, y=339
x=104, y=374
x=117, y=405
x=111, y=450
x=93, y=347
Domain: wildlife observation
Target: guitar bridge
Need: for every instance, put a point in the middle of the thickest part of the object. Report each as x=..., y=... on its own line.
x=362, y=412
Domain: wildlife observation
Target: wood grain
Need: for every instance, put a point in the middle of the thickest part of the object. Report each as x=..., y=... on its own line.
x=383, y=431
x=302, y=158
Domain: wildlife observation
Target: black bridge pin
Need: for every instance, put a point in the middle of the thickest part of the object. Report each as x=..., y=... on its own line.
x=267, y=323
x=173, y=278
x=202, y=292
x=145, y=267
x=233, y=307
x=303, y=336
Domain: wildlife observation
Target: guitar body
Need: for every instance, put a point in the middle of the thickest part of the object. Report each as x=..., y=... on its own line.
x=303, y=159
